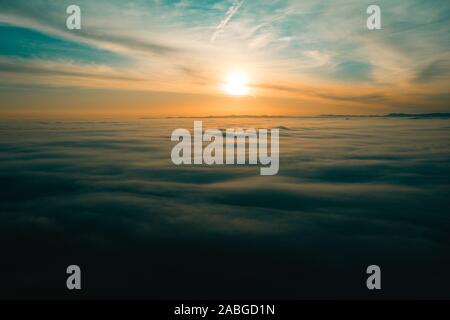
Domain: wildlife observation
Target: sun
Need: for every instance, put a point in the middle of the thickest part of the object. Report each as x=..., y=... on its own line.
x=236, y=84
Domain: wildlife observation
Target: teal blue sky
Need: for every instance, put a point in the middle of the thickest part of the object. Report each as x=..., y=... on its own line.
x=317, y=53
x=18, y=42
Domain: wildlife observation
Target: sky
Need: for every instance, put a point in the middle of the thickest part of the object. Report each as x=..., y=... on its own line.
x=157, y=58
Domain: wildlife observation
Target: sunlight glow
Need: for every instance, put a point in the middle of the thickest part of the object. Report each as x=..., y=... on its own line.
x=236, y=84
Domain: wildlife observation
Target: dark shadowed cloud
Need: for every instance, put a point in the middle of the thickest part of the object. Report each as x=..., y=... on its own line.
x=104, y=194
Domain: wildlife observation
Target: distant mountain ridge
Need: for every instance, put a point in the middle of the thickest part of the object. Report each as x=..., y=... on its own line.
x=440, y=115
x=391, y=115
x=419, y=116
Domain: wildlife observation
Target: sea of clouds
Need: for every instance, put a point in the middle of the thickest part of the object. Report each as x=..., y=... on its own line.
x=105, y=195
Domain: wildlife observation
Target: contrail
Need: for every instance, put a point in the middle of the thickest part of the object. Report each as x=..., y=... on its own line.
x=230, y=13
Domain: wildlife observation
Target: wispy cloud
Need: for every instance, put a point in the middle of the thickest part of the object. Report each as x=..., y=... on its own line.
x=230, y=13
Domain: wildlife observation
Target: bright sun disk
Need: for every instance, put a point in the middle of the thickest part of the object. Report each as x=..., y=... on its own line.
x=236, y=84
